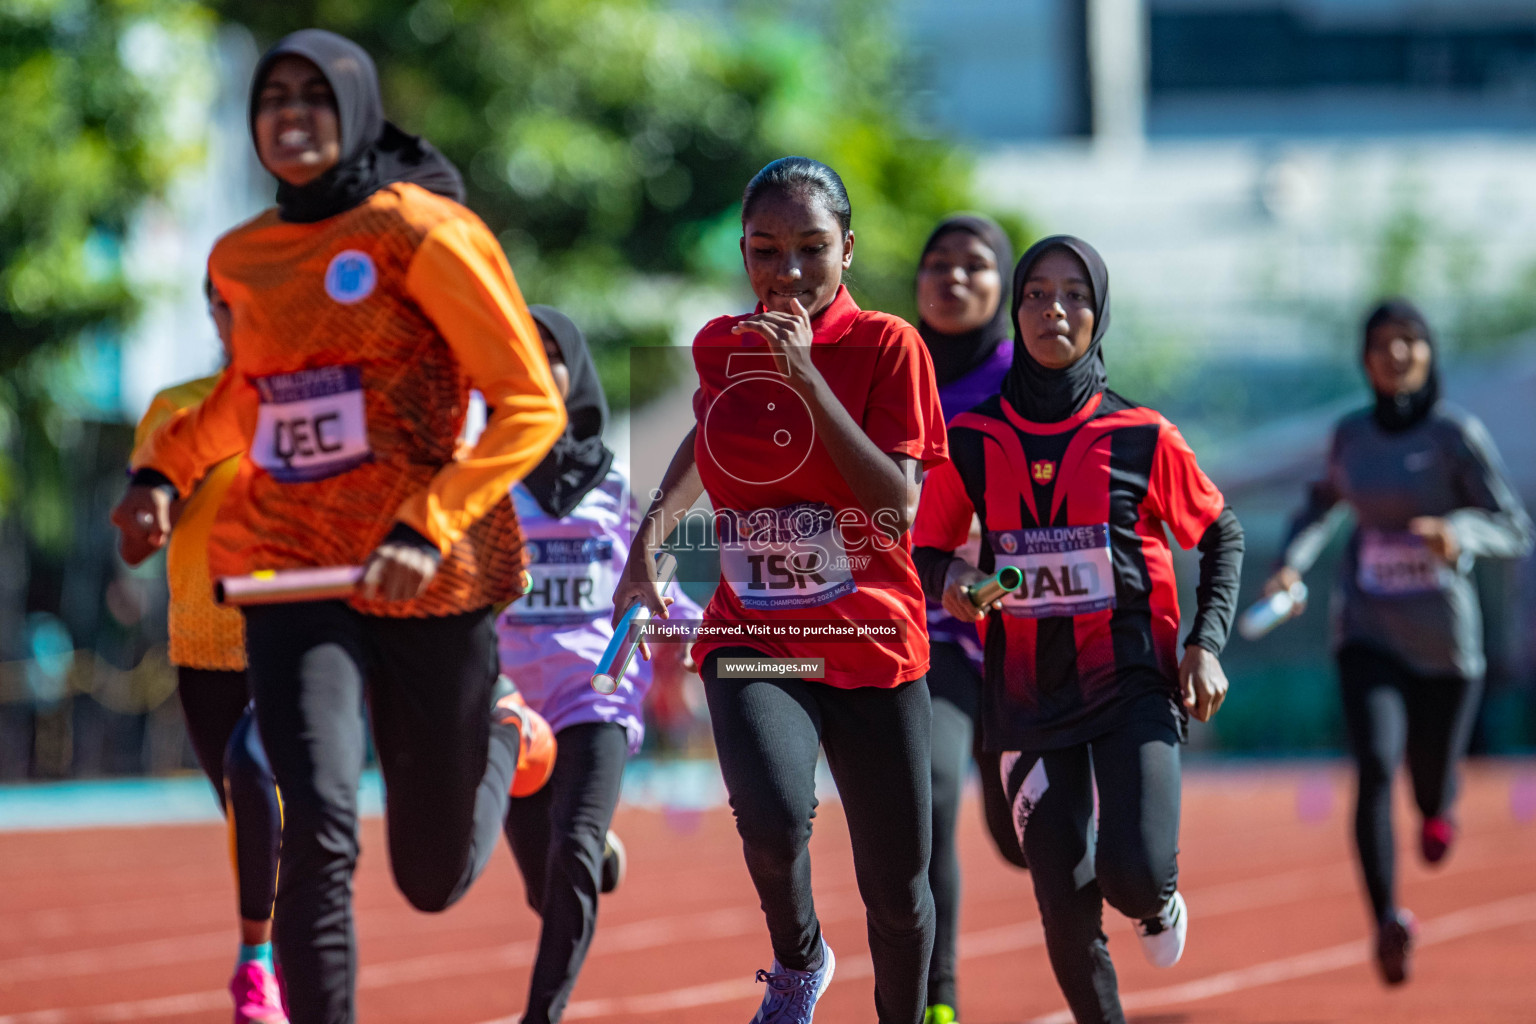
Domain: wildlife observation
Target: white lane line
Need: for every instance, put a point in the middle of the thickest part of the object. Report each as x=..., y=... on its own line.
x=637, y=935
x=1455, y=925
x=128, y=956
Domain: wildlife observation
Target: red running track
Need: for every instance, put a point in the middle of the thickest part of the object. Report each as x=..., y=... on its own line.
x=136, y=924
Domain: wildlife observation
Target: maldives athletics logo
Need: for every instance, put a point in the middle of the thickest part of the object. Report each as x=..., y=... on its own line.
x=1043, y=471
x=351, y=277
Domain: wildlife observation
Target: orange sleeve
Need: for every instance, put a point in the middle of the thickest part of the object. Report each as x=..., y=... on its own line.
x=161, y=408
x=460, y=279
x=185, y=443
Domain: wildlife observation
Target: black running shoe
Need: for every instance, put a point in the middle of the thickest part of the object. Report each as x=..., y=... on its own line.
x=1394, y=945
x=615, y=862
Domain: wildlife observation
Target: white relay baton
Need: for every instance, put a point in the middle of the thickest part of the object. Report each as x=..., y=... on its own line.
x=287, y=586
x=621, y=649
x=1263, y=616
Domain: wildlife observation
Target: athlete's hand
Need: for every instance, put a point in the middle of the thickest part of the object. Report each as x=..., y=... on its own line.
x=788, y=336
x=143, y=518
x=1285, y=579
x=638, y=583
x=1202, y=681
x=1439, y=536
x=398, y=571
x=957, y=577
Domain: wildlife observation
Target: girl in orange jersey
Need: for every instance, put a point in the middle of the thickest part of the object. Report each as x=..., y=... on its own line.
x=366, y=305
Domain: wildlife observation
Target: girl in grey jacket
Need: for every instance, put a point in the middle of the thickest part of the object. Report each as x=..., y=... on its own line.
x=1429, y=496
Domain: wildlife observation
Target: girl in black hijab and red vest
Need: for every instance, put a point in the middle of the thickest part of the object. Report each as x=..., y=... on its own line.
x=1083, y=686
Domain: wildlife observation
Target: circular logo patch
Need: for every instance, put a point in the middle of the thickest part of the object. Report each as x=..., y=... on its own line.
x=1009, y=543
x=350, y=277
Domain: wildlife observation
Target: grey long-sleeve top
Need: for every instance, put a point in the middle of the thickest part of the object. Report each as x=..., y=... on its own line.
x=1393, y=594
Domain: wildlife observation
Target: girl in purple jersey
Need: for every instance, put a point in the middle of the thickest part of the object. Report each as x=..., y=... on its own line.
x=578, y=518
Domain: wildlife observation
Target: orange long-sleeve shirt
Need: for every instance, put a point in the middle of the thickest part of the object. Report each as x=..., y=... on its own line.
x=356, y=341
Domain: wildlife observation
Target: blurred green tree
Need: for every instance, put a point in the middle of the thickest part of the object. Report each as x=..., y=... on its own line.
x=91, y=126
x=607, y=141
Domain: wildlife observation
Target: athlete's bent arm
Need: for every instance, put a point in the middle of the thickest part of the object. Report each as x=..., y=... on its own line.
x=168, y=464
x=1201, y=677
x=460, y=279
x=943, y=524
x=887, y=484
x=1493, y=523
x=680, y=488
x=1310, y=531
x=1183, y=497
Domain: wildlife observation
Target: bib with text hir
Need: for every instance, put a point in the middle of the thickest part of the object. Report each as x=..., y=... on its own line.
x=572, y=579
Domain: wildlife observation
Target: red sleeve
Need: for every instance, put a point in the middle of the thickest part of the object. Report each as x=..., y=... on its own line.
x=1180, y=494
x=903, y=416
x=944, y=512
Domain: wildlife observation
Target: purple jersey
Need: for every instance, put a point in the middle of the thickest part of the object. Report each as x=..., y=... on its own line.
x=958, y=396
x=552, y=638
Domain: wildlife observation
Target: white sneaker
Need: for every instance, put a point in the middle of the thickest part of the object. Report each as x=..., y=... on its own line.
x=1162, y=937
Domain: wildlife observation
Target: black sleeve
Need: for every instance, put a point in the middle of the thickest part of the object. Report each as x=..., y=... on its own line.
x=1221, y=566
x=147, y=477
x=400, y=533
x=932, y=566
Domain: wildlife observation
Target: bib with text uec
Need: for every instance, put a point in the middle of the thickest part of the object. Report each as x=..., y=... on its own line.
x=311, y=424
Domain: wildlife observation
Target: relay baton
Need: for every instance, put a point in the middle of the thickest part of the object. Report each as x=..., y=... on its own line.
x=621, y=649
x=284, y=586
x=1263, y=616
x=1005, y=581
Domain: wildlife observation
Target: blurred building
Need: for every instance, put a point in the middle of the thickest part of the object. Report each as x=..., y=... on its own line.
x=1255, y=172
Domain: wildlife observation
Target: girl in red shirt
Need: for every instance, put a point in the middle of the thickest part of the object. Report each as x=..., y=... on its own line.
x=815, y=421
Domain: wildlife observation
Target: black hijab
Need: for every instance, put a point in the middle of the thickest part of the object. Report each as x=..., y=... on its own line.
x=1396, y=413
x=579, y=460
x=374, y=152
x=955, y=355
x=1048, y=396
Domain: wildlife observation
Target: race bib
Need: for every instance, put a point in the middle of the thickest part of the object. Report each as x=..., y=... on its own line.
x=1066, y=569
x=571, y=579
x=790, y=557
x=311, y=424
x=1398, y=565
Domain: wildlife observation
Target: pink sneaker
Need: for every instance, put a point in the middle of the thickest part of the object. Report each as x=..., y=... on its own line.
x=257, y=1000
x=1436, y=839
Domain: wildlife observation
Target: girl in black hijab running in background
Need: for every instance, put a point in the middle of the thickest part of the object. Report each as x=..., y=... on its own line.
x=1084, y=689
x=1429, y=496
x=962, y=299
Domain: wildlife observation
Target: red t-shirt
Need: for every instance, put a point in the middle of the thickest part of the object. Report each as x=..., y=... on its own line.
x=799, y=555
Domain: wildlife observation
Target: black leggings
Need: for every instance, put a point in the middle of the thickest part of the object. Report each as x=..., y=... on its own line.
x=216, y=704
x=956, y=689
x=446, y=770
x=557, y=836
x=877, y=744
x=1390, y=710
x=1131, y=862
